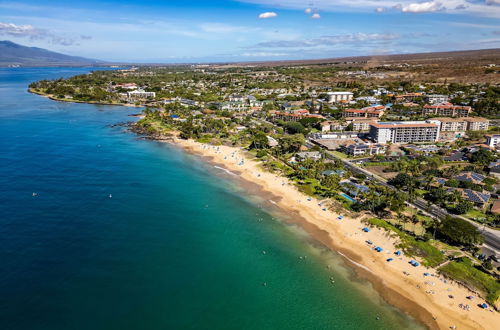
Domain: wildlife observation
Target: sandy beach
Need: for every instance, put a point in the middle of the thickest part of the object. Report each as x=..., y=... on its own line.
x=426, y=298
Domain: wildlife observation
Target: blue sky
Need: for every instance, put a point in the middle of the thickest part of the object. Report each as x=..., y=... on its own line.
x=249, y=30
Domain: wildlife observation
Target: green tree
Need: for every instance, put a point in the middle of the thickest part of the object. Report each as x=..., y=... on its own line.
x=460, y=232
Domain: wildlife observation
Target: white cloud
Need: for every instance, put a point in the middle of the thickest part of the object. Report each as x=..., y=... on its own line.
x=380, y=9
x=316, y=16
x=28, y=31
x=268, y=14
x=352, y=38
x=423, y=7
x=308, y=11
x=486, y=8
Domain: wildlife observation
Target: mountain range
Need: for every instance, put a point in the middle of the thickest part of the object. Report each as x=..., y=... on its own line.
x=12, y=54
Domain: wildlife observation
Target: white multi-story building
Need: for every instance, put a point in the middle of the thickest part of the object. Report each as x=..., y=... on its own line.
x=405, y=131
x=141, y=94
x=365, y=149
x=437, y=98
x=493, y=140
x=336, y=97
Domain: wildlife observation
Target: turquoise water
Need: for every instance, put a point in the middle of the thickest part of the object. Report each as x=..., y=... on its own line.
x=175, y=247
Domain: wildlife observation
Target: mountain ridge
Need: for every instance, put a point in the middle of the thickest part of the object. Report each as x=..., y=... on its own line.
x=13, y=54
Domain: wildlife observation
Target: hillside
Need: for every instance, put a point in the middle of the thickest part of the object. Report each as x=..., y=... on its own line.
x=15, y=54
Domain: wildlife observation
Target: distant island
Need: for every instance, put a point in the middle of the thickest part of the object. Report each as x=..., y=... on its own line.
x=13, y=55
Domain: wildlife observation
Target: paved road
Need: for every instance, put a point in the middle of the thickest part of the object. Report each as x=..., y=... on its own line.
x=491, y=236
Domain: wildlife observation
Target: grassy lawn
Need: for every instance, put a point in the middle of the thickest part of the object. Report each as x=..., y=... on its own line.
x=339, y=154
x=366, y=164
x=465, y=272
x=473, y=214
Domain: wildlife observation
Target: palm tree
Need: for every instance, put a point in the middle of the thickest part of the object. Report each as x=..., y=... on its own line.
x=414, y=220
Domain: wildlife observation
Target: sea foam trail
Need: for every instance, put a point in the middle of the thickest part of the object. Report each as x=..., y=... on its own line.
x=225, y=170
x=354, y=262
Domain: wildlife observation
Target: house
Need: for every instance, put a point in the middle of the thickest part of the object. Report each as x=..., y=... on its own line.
x=494, y=168
x=236, y=98
x=358, y=149
x=271, y=141
x=478, y=198
x=493, y=140
x=470, y=177
x=354, y=189
x=314, y=155
x=294, y=115
x=408, y=97
x=495, y=207
x=440, y=181
x=457, y=156
x=340, y=173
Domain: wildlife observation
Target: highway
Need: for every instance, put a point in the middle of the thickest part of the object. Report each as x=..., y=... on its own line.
x=491, y=236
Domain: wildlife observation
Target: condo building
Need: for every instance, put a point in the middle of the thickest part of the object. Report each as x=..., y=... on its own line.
x=336, y=97
x=405, y=131
x=447, y=110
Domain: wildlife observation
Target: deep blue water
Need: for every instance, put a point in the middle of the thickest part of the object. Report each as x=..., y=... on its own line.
x=175, y=247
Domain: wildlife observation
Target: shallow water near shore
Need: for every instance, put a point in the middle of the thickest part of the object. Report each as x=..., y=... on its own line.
x=102, y=230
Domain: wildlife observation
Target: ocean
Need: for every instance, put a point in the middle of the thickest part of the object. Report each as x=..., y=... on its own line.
x=100, y=229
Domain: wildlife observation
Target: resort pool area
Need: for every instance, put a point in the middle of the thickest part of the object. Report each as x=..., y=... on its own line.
x=349, y=198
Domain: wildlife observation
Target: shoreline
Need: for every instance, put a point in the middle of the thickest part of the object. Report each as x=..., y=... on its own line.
x=424, y=298
x=53, y=98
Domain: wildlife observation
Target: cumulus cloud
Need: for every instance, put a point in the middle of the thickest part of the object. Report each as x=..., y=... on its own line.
x=461, y=7
x=492, y=2
x=380, y=9
x=330, y=40
x=269, y=14
x=308, y=10
x=28, y=31
x=316, y=16
x=423, y=7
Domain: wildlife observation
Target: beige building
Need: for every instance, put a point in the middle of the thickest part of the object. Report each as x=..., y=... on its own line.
x=361, y=124
x=447, y=110
x=449, y=124
x=477, y=123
